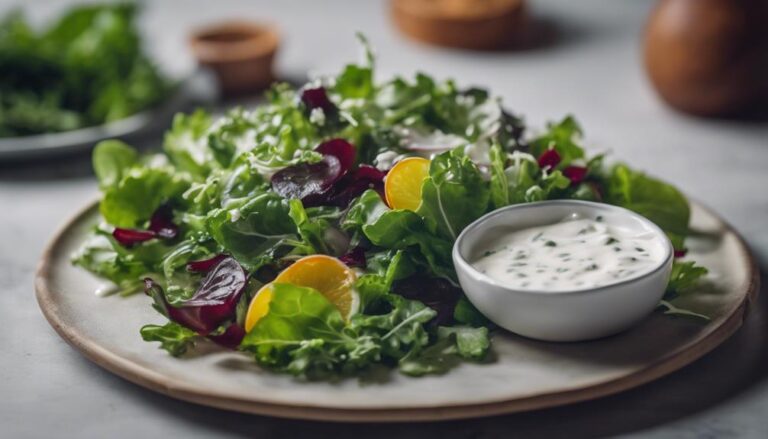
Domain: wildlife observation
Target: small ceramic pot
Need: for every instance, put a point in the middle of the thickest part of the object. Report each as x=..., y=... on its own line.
x=241, y=54
x=461, y=23
x=709, y=57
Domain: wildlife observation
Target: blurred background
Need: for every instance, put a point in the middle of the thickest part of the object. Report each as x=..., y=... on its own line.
x=679, y=92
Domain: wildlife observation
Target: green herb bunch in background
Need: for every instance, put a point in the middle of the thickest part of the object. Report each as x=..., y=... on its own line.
x=86, y=68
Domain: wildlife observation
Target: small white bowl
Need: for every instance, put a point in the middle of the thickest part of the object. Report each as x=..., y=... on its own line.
x=573, y=315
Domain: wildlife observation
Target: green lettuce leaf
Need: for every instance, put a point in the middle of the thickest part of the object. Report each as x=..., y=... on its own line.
x=384, y=269
x=100, y=255
x=454, y=195
x=186, y=143
x=660, y=202
x=140, y=191
x=111, y=159
x=254, y=231
x=174, y=338
x=312, y=231
x=404, y=229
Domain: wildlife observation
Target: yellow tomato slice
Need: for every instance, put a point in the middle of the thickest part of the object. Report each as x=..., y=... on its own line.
x=326, y=274
x=402, y=186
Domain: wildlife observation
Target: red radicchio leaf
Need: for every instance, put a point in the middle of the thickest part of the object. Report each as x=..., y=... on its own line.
x=317, y=98
x=309, y=182
x=312, y=183
x=355, y=183
x=231, y=338
x=129, y=237
x=681, y=253
x=355, y=258
x=436, y=293
x=341, y=149
x=213, y=303
x=162, y=223
x=575, y=173
x=549, y=159
x=160, y=226
x=205, y=265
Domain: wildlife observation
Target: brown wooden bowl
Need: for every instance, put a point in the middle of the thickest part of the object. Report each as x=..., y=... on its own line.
x=465, y=24
x=709, y=57
x=240, y=54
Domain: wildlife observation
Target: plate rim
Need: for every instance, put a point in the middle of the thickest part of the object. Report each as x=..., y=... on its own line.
x=151, y=380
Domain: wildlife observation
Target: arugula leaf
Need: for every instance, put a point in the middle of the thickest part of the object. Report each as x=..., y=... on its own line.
x=280, y=133
x=355, y=82
x=453, y=344
x=454, y=195
x=660, y=202
x=671, y=310
x=682, y=280
x=684, y=276
x=101, y=256
x=399, y=330
x=174, y=338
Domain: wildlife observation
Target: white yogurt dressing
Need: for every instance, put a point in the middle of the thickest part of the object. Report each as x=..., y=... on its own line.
x=576, y=253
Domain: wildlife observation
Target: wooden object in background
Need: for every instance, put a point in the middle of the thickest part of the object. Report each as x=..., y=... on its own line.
x=709, y=57
x=466, y=24
x=240, y=54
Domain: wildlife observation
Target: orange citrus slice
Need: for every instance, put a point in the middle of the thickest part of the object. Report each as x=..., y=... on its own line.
x=328, y=275
x=402, y=186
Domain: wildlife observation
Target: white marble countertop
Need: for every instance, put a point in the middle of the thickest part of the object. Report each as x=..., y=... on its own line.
x=593, y=71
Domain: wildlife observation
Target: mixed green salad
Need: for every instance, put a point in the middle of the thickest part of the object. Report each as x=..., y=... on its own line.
x=223, y=228
x=85, y=69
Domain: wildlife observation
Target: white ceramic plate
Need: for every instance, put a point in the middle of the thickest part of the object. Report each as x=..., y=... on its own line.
x=526, y=374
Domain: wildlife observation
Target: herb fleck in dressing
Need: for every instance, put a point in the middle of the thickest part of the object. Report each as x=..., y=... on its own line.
x=577, y=253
